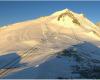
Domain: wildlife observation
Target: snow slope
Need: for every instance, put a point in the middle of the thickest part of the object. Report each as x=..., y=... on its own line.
x=49, y=47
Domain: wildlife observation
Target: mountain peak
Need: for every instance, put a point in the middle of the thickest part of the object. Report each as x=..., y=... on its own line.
x=66, y=12
x=65, y=17
x=60, y=12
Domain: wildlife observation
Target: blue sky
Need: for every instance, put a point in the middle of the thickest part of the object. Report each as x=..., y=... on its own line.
x=16, y=11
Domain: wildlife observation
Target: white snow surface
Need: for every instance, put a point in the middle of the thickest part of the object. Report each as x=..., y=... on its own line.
x=35, y=49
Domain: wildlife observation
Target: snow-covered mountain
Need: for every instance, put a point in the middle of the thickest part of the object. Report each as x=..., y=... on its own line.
x=64, y=44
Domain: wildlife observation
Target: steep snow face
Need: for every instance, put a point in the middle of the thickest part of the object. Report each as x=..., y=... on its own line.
x=67, y=18
x=78, y=22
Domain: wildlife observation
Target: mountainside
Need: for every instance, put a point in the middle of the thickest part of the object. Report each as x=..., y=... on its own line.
x=39, y=44
x=26, y=34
